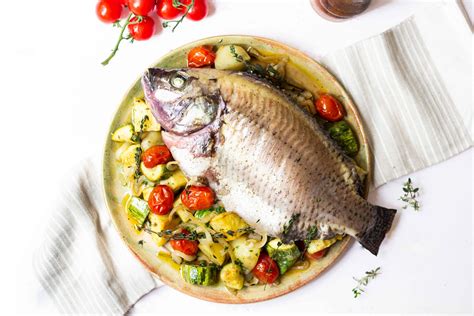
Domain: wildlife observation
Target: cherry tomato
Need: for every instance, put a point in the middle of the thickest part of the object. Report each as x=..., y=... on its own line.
x=197, y=197
x=329, y=108
x=108, y=11
x=201, y=56
x=167, y=11
x=317, y=255
x=141, y=7
x=161, y=200
x=266, y=269
x=188, y=247
x=198, y=11
x=141, y=30
x=156, y=155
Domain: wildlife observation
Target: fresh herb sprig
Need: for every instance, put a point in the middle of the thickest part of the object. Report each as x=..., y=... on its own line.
x=168, y=233
x=410, y=194
x=178, y=5
x=362, y=282
x=269, y=73
x=287, y=226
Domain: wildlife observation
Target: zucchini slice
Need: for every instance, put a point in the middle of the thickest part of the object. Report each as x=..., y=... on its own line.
x=202, y=274
x=125, y=133
x=142, y=118
x=285, y=255
x=177, y=180
x=137, y=210
x=155, y=173
x=320, y=244
x=214, y=251
x=231, y=275
x=246, y=252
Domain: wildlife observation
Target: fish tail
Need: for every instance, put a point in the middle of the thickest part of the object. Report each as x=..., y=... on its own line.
x=373, y=236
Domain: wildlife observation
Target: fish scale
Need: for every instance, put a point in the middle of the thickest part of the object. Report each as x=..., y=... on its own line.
x=269, y=160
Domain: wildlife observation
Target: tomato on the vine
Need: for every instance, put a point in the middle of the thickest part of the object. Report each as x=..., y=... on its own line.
x=266, y=269
x=108, y=11
x=201, y=56
x=198, y=11
x=141, y=28
x=197, y=197
x=141, y=7
x=166, y=10
x=329, y=108
x=188, y=247
x=161, y=200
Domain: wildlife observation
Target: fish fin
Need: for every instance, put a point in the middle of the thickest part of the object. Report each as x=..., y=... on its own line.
x=373, y=236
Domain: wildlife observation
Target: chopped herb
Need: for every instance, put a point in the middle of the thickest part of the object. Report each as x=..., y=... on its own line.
x=410, y=193
x=258, y=220
x=239, y=263
x=230, y=233
x=287, y=227
x=141, y=242
x=362, y=282
x=138, y=159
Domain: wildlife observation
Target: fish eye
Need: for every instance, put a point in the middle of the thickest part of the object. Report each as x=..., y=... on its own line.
x=178, y=81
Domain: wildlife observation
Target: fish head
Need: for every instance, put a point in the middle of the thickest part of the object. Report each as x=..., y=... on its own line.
x=183, y=101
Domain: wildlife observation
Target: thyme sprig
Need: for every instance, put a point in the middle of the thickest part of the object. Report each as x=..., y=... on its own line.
x=410, y=193
x=178, y=5
x=269, y=73
x=168, y=233
x=362, y=282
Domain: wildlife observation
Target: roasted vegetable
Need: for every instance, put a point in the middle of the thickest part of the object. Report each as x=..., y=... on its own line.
x=230, y=224
x=130, y=157
x=155, y=173
x=319, y=244
x=159, y=223
x=124, y=134
x=206, y=215
x=214, y=251
x=231, y=57
x=142, y=118
x=176, y=181
x=342, y=133
x=202, y=274
x=231, y=275
x=285, y=255
x=137, y=210
x=246, y=251
x=151, y=139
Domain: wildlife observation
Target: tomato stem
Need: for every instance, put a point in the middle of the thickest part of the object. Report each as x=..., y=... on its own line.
x=178, y=22
x=121, y=37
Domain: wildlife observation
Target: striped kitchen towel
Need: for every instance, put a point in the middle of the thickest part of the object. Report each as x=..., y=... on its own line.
x=412, y=86
x=414, y=96
x=82, y=264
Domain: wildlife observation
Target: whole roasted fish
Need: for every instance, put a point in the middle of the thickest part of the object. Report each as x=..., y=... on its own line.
x=266, y=158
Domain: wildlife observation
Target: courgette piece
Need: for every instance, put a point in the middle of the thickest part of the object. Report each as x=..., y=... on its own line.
x=201, y=274
x=320, y=244
x=137, y=210
x=342, y=133
x=142, y=118
x=177, y=180
x=285, y=255
x=146, y=192
x=124, y=134
x=246, y=252
x=231, y=275
x=206, y=215
x=214, y=251
x=230, y=224
x=151, y=139
x=156, y=173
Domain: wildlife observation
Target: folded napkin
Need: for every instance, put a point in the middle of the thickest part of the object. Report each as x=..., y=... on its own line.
x=413, y=120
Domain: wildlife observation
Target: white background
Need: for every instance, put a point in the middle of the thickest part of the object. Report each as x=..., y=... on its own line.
x=56, y=104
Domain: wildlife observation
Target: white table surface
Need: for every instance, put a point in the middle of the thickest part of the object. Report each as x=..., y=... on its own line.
x=59, y=102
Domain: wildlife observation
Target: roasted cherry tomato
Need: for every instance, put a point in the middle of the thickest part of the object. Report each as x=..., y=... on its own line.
x=141, y=7
x=198, y=11
x=266, y=269
x=317, y=255
x=156, y=155
x=108, y=11
x=329, y=108
x=201, y=56
x=161, y=200
x=166, y=10
x=197, y=197
x=188, y=247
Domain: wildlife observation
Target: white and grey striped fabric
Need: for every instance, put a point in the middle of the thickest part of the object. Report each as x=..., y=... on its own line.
x=83, y=264
x=411, y=118
x=412, y=124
